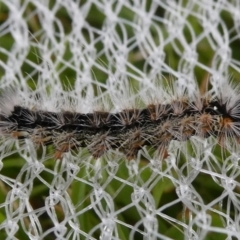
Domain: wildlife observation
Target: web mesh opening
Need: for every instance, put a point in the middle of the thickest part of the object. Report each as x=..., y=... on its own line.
x=76, y=55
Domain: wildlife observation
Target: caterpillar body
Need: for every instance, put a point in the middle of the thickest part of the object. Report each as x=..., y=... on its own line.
x=127, y=131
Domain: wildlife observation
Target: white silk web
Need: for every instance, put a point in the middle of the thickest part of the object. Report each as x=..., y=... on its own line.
x=85, y=52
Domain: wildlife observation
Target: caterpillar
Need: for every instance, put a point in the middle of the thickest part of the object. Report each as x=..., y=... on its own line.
x=127, y=131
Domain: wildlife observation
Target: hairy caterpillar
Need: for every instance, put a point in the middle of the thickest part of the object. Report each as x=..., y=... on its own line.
x=128, y=130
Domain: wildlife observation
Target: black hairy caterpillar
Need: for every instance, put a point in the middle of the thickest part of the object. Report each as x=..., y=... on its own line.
x=128, y=130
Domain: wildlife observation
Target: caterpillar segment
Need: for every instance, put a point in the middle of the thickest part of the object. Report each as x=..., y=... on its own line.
x=127, y=131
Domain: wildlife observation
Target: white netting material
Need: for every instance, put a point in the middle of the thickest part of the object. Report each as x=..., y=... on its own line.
x=104, y=44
